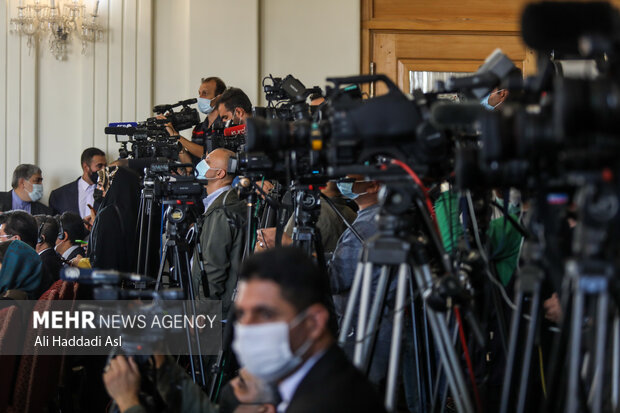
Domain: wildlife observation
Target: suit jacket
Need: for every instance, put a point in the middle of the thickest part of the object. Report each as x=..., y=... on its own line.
x=51, y=266
x=222, y=248
x=65, y=198
x=334, y=385
x=36, y=208
x=76, y=252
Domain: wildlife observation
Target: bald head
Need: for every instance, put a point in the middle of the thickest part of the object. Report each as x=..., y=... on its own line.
x=218, y=168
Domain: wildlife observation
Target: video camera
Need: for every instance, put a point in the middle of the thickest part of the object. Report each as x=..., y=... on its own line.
x=184, y=119
x=356, y=131
x=231, y=138
x=552, y=126
x=147, y=139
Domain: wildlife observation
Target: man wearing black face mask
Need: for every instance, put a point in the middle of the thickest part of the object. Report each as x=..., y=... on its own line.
x=235, y=106
x=77, y=196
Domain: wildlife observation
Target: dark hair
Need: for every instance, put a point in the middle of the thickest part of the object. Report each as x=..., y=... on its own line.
x=47, y=229
x=220, y=86
x=72, y=224
x=3, y=247
x=302, y=283
x=233, y=98
x=20, y=223
x=25, y=171
x=89, y=154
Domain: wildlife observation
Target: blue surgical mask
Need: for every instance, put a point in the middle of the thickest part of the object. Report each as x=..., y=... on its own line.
x=485, y=102
x=37, y=192
x=346, y=189
x=204, y=105
x=202, y=168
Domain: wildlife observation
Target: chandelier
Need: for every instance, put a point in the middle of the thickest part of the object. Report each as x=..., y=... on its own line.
x=58, y=22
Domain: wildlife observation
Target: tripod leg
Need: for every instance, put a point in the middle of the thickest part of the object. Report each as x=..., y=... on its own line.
x=375, y=317
x=511, y=362
x=160, y=273
x=351, y=303
x=363, y=314
x=615, y=370
x=598, y=384
x=529, y=349
x=401, y=291
x=416, y=358
x=574, y=350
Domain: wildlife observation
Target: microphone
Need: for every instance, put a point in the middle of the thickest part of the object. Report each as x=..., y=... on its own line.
x=558, y=26
x=235, y=130
x=447, y=115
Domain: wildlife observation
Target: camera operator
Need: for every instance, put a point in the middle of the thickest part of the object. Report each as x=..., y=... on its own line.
x=208, y=94
x=222, y=233
x=282, y=336
x=234, y=105
x=344, y=261
x=329, y=223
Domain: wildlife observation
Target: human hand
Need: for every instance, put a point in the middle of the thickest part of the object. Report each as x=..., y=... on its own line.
x=88, y=221
x=122, y=382
x=266, y=186
x=266, y=238
x=553, y=309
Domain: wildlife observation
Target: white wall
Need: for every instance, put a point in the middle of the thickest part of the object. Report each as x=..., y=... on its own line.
x=52, y=110
x=156, y=51
x=311, y=40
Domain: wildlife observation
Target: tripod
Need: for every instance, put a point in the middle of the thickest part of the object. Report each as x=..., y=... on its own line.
x=177, y=253
x=396, y=251
x=305, y=233
x=147, y=211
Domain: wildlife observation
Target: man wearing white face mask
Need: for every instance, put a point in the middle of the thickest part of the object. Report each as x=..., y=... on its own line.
x=27, y=190
x=222, y=231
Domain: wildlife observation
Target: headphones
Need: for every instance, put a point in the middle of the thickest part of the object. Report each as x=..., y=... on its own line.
x=61, y=230
x=40, y=238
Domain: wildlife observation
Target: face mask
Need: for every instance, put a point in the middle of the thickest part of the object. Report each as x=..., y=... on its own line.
x=204, y=105
x=265, y=351
x=485, y=101
x=37, y=192
x=346, y=189
x=94, y=176
x=202, y=168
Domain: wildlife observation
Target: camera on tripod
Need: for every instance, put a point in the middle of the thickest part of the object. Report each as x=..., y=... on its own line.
x=185, y=118
x=148, y=139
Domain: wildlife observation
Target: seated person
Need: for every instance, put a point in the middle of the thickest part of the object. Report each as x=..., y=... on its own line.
x=283, y=336
x=20, y=271
x=48, y=231
x=71, y=234
x=18, y=225
x=76, y=196
x=26, y=193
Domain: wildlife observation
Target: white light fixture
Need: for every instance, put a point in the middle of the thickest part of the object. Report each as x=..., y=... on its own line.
x=57, y=21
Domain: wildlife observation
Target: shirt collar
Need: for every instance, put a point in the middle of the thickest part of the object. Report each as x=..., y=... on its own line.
x=83, y=185
x=288, y=386
x=212, y=197
x=69, y=251
x=18, y=203
x=41, y=252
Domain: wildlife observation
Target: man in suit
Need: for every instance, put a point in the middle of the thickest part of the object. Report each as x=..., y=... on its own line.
x=27, y=190
x=71, y=233
x=77, y=195
x=283, y=335
x=47, y=234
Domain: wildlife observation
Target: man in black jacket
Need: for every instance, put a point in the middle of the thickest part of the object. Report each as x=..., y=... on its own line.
x=47, y=234
x=282, y=336
x=77, y=195
x=71, y=233
x=27, y=184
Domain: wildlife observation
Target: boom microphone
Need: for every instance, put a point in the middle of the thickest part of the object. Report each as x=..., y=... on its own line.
x=235, y=130
x=558, y=26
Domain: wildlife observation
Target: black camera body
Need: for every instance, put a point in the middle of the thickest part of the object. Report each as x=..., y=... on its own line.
x=185, y=118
